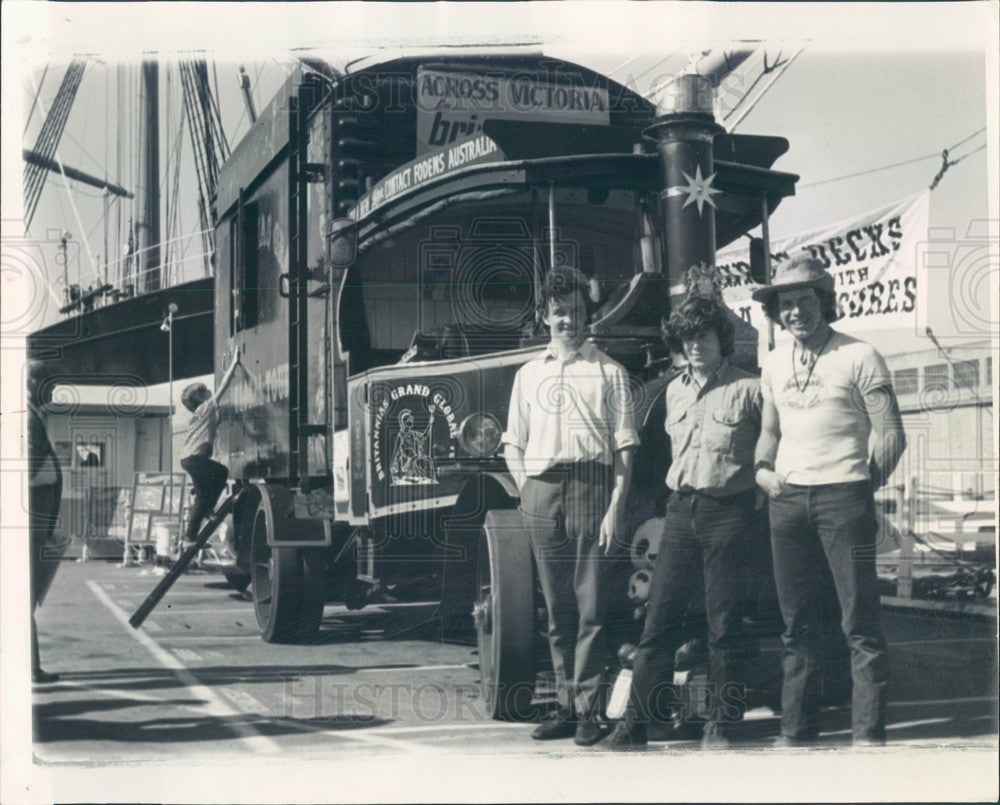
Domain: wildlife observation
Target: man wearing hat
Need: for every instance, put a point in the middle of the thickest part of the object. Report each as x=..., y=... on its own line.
x=824, y=394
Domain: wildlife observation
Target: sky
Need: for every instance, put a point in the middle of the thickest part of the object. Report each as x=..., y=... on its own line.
x=845, y=108
x=843, y=113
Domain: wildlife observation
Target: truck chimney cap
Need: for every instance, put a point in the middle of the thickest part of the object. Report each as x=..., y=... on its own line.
x=688, y=93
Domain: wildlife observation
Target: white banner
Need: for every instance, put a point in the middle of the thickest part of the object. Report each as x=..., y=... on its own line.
x=872, y=258
x=453, y=105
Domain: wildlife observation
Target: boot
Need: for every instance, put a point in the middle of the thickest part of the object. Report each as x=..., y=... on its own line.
x=629, y=733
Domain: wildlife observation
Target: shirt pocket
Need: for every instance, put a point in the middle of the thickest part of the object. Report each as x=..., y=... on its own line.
x=722, y=430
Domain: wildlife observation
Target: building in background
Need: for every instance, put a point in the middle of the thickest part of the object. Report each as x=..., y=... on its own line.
x=947, y=405
x=101, y=442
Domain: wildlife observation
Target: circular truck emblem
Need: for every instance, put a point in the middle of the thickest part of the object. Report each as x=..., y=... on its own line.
x=413, y=428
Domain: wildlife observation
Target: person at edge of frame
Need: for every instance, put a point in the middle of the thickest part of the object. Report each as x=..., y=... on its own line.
x=824, y=393
x=569, y=446
x=208, y=477
x=713, y=421
x=45, y=480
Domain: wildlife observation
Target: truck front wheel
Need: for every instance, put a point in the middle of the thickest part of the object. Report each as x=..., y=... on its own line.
x=287, y=590
x=504, y=616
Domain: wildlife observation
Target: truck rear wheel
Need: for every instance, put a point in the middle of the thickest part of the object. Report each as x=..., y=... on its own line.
x=287, y=590
x=504, y=616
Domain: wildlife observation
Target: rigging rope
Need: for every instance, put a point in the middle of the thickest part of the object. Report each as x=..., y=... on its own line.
x=173, y=211
x=947, y=163
x=69, y=194
x=47, y=142
x=775, y=71
x=38, y=91
x=904, y=162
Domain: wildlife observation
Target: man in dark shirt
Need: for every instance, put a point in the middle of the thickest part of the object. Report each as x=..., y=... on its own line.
x=713, y=420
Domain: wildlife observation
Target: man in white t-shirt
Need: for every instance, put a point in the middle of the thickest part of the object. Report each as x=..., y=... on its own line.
x=824, y=394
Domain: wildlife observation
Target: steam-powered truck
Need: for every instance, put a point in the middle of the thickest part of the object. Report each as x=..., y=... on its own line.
x=382, y=231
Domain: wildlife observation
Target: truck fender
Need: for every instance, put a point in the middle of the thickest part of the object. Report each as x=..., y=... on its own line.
x=482, y=493
x=506, y=481
x=283, y=528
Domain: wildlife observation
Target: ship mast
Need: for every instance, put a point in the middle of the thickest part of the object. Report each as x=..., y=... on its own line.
x=148, y=226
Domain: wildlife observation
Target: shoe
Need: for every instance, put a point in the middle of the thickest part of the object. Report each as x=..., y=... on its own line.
x=789, y=741
x=588, y=732
x=561, y=724
x=40, y=677
x=714, y=738
x=628, y=736
x=869, y=741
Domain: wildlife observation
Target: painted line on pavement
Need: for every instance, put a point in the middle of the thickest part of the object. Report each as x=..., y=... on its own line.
x=214, y=704
x=378, y=670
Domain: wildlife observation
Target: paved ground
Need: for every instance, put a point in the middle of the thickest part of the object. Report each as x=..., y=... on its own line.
x=197, y=681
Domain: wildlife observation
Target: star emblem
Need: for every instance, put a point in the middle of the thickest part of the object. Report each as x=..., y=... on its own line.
x=698, y=190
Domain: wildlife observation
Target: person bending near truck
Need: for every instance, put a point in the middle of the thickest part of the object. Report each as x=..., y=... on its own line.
x=713, y=420
x=568, y=444
x=824, y=393
x=208, y=477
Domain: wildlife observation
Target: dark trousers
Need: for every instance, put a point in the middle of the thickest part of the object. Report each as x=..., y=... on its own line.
x=707, y=546
x=208, y=478
x=562, y=511
x=43, y=514
x=814, y=528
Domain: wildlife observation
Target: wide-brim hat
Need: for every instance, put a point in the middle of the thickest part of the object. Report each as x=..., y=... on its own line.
x=802, y=271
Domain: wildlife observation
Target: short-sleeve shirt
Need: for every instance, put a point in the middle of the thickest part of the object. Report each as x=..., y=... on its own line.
x=573, y=410
x=201, y=430
x=713, y=431
x=823, y=417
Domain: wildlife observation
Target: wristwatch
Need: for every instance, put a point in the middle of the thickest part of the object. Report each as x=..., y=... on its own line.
x=763, y=465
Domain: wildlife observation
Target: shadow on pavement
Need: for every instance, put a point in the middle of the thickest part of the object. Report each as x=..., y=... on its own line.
x=55, y=723
x=158, y=678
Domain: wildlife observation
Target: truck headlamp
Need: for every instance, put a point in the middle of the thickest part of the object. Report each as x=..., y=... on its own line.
x=479, y=435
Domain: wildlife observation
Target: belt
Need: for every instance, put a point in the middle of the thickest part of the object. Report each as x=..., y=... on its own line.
x=563, y=468
x=696, y=493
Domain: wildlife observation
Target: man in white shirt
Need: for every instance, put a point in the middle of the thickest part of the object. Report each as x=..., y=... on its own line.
x=824, y=394
x=568, y=444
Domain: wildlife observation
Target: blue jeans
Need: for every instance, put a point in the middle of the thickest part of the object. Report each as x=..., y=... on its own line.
x=707, y=545
x=812, y=528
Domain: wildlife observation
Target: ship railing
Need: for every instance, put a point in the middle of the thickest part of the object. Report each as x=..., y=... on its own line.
x=120, y=280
